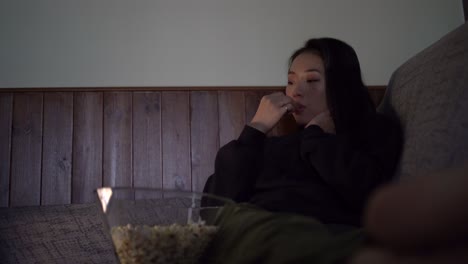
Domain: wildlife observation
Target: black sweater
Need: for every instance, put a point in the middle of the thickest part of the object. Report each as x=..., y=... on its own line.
x=309, y=172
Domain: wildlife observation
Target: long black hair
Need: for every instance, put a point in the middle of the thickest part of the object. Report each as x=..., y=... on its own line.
x=347, y=97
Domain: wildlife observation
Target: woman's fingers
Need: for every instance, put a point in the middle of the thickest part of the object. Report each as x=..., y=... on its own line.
x=288, y=108
x=283, y=102
x=272, y=107
x=278, y=99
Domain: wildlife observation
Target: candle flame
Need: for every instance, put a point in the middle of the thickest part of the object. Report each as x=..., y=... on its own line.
x=104, y=196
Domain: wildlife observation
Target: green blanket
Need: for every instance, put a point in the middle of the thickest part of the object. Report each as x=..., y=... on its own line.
x=248, y=234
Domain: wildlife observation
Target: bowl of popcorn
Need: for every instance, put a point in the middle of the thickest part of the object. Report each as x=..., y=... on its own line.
x=150, y=225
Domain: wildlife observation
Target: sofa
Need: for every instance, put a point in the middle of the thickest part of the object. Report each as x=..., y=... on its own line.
x=428, y=94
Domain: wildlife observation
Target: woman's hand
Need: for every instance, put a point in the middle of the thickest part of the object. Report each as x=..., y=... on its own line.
x=272, y=107
x=324, y=121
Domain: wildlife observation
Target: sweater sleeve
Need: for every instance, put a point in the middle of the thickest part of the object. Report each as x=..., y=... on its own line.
x=353, y=170
x=237, y=165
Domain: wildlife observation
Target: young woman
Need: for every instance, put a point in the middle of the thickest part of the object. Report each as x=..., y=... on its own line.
x=327, y=169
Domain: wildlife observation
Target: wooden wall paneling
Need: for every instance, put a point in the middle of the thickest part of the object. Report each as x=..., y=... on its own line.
x=6, y=114
x=147, y=166
x=176, y=141
x=231, y=105
x=102, y=145
x=26, y=149
x=286, y=125
x=57, y=148
x=204, y=136
x=117, y=151
x=87, y=145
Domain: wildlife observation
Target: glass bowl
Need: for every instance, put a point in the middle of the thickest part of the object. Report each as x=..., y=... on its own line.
x=150, y=225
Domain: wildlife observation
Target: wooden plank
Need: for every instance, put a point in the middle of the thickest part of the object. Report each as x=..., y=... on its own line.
x=6, y=113
x=26, y=149
x=147, y=166
x=231, y=107
x=285, y=126
x=204, y=136
x=117, y=160
x=57, y=148
x=176, y=141
x=87, y=145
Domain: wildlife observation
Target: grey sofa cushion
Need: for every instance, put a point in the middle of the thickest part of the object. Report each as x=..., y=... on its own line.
x=54, y=234
x=429, y=94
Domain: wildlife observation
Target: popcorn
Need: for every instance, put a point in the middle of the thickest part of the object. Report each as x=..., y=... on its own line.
x=176, y=243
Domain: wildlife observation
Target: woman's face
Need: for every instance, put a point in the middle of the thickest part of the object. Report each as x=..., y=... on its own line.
x=306, y=86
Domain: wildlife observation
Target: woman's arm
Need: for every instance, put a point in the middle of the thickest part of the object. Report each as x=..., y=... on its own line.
x=354, y=169
x=237, y=165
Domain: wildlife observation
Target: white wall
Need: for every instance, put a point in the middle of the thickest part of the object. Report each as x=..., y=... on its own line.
x=57, y=43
